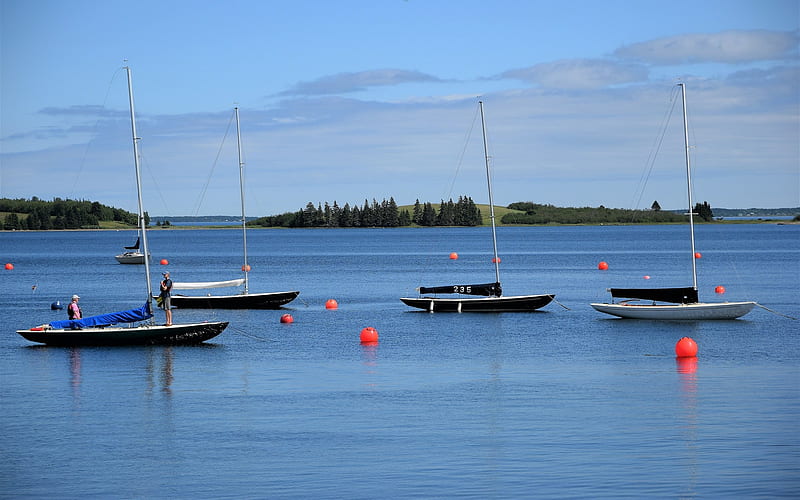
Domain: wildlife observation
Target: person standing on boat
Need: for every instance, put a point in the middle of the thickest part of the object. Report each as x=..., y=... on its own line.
x=166, y=288
x=74, y=310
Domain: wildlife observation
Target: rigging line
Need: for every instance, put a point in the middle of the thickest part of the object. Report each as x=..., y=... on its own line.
x=651, y=159
x=461, y=155
x=213, y=166
x=149, y=171
x=76, y=178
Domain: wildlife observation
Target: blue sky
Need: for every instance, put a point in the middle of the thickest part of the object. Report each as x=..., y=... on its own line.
x=347, y=100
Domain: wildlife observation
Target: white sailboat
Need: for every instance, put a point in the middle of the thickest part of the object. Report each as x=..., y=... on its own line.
x=131, y=254
x=103, y=329
x=673, y=303
x=492, y=299
x=245, y=299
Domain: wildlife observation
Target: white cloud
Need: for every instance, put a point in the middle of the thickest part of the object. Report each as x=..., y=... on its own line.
x=355, y=82
x=579, y=74
x=734, y=46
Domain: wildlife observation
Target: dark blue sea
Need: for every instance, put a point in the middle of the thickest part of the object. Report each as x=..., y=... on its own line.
x=560, y=403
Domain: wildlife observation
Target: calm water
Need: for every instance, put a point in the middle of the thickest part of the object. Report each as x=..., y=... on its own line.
x=560, y=403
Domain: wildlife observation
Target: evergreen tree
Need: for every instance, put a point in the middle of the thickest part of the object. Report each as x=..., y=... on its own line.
x=417, y=216
x=428, y=215
x=346, y=220
x=336, y=215
x=404, y=219
x=704, y=211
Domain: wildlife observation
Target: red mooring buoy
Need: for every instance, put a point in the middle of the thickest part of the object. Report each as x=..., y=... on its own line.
x=164, y=262
x=9, y=266
x=246, y=268
x=698, y=255
x=719, y=289
x=287, y=318
x=686, y=348
x=602, y=266
x=453, y=256
x=331, y=304
x=369, y=335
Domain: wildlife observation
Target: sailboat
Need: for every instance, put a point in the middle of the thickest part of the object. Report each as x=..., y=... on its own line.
x=682, y=303
x=491, y=297
x=104, y=329
x=131, y=254
x=245, y=299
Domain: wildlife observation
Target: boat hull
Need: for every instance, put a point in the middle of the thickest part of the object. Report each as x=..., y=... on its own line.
x=130, y=258
x=518, y=303
x=271, y=300
x=673, y=312
x=191, y=333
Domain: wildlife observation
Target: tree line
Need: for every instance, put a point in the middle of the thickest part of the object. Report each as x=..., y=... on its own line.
x=535, y=213
x=36, y=214
x=464, y=212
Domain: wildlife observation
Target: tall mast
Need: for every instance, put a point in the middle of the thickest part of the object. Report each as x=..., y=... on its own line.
x=689, y=183
x=142, y=225
x=241, y=192
x=487, y=158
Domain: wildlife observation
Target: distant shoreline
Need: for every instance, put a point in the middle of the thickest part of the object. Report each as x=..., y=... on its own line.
x=182, y=227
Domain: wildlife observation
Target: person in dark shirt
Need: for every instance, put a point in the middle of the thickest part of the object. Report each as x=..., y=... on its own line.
x=166, y=288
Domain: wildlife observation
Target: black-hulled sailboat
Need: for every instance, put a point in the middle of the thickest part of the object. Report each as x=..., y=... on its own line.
x=104, y=329
x=485, y=297
x=680, y=303
x=245, y=299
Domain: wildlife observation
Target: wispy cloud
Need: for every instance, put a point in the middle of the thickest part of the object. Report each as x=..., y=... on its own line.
x=579, y=74
x=342, y=83
x=90, y=110
x=735, y=46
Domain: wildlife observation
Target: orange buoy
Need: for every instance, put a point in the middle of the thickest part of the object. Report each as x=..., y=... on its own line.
x=164, y=262
x=647, y=276
x=496, y=260
x=246, y=268
x=698, y=255
x=602, y=266
x=331, y=304
x=719, y=289
x=369, y=335
x=10, y=266
x=453, y=256
x=686, y=348
x=287, y=318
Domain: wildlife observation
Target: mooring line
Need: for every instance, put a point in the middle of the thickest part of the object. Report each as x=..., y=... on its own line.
x=562, y=305
x=776, y=312
x=250, y=336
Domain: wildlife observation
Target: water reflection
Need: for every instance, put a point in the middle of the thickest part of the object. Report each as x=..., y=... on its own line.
x=369, y=357
x=687, y=375
x=75, y=368
x=163, y=371
x=687, y=366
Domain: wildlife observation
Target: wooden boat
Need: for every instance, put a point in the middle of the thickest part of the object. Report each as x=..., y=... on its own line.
x=491, y=294
x=245, y=299
x=104, y=329
x=673, y=303
x=131, y=255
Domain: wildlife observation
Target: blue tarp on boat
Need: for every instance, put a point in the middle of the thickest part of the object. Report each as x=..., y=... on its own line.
x=128, y=316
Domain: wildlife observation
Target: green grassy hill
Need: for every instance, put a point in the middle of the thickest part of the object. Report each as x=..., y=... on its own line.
x=499, y=212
